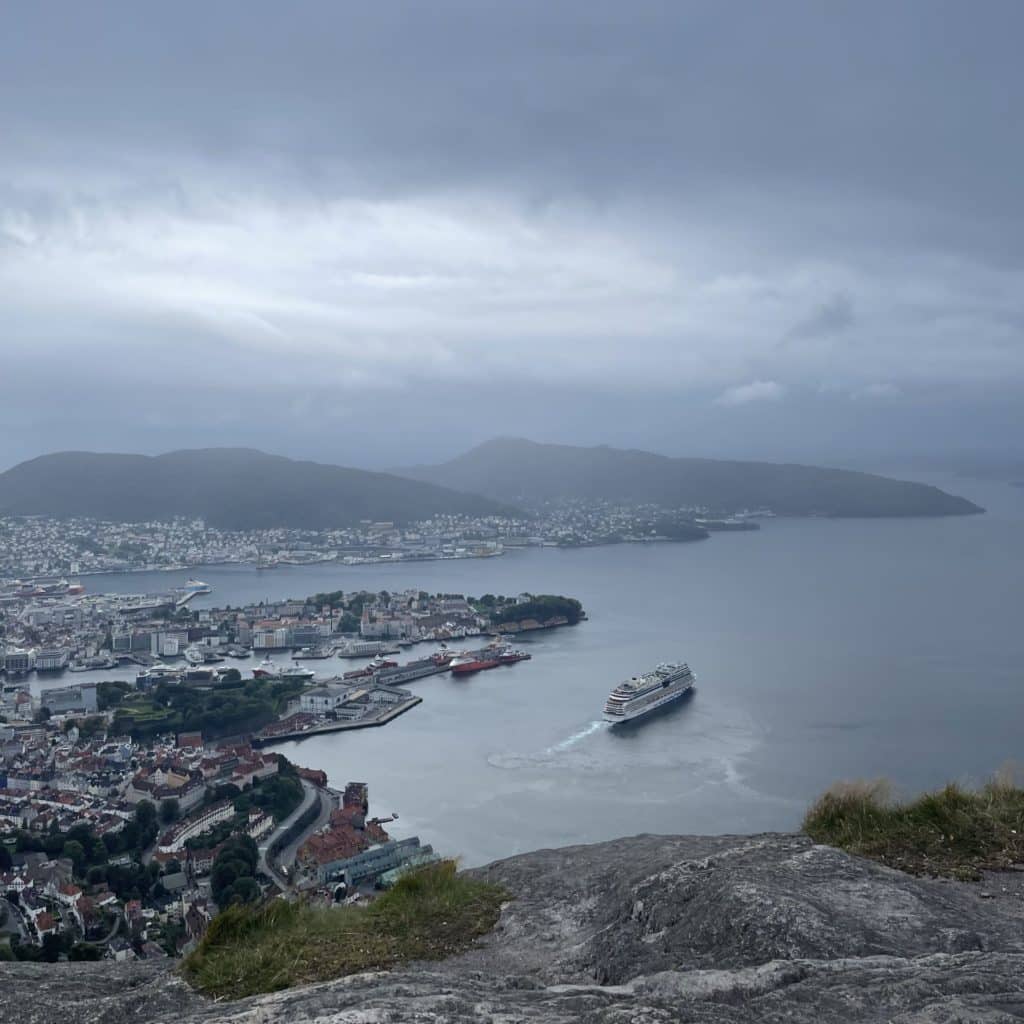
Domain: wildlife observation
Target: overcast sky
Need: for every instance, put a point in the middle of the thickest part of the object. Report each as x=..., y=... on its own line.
x=379, y=233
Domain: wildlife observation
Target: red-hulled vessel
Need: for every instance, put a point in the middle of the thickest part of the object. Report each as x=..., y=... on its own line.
x=510, y=657
x=474, y=663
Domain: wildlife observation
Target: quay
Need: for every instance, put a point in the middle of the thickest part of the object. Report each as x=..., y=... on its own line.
x=368, y=722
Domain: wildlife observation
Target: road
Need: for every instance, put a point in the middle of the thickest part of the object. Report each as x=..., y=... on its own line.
x=13, y=924
x=287, y=855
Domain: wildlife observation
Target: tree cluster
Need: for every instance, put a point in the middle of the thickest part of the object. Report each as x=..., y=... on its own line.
x=540, y=607
x=90, y=854
x=233, y=878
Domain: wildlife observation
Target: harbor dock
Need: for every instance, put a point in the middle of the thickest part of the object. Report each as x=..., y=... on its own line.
x=265, y=738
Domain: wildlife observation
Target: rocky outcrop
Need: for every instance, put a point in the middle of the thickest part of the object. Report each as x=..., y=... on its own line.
x=649, y=929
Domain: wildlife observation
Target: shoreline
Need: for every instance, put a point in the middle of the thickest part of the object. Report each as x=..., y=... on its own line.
x=328, y=727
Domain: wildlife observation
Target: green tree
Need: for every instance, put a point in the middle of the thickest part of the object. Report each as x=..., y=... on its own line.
x=245, y=890
x=52, y=947
x=75, y=852
x=222, y=878
x=110, y=693
x=84, y=951
x=145, y=814
x=170, y=810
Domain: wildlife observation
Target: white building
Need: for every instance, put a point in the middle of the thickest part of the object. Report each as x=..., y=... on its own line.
x=328, y=697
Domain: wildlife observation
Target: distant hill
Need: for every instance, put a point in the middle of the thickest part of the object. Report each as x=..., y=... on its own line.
x=231, y=488
x=510, y=469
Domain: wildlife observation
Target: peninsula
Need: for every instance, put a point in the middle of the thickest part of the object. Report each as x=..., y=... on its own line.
x=513, y=469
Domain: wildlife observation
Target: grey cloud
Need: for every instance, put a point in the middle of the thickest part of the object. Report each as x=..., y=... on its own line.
x=348, y=207
x=831, y=317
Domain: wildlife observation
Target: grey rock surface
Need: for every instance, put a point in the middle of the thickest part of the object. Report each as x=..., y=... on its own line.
x=649, y=929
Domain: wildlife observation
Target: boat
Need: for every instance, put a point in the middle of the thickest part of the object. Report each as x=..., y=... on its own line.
x=200, y=674
x=509, y=656
x=98, y=662
x=296, y=673
x=314, y=653
x=266, y=669
x=197, y=586
x=193, y=655
x=640, y=695
x=396, y=675
x=474, y=661
x=48, y=588
x=378, y=663
x=157, y=674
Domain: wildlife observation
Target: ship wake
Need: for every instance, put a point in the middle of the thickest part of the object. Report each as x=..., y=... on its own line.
x=558, y=755
x=575, y=738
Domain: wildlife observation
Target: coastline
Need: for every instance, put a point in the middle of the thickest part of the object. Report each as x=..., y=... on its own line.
x=259, y=740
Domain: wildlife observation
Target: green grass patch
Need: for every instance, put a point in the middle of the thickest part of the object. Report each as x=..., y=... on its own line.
x=430, y=914
x=954, y=832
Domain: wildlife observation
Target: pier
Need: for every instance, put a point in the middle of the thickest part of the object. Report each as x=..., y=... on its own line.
x=368, y=722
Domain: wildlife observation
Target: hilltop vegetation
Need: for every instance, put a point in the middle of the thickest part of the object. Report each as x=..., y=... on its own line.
x=956, y=832
x=242, y=706
x=230, y=488
x=540, y=607
x=522, y=471
x=430, y=914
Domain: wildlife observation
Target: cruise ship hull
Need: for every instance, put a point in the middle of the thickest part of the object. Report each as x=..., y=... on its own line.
x=638, y=713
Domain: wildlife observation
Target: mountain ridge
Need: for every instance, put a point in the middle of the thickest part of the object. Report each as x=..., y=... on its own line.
x=231, y=488
x=516, y=469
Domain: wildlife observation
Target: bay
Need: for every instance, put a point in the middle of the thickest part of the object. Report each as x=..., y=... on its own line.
x=824, y=650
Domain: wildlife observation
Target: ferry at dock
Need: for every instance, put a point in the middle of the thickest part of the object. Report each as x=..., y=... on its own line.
x=640, y=695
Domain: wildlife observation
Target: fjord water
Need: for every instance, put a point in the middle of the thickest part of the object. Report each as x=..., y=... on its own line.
x=824, y=650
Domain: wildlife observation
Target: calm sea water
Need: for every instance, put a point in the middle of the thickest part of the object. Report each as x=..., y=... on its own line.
x=824, y=650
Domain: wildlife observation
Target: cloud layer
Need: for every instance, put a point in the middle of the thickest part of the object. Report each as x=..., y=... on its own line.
x=383, y=234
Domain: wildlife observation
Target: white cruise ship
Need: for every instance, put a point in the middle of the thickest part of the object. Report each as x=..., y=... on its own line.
x=640, y=695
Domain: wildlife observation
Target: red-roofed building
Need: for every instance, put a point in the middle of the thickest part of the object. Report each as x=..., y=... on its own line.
x=46, y=924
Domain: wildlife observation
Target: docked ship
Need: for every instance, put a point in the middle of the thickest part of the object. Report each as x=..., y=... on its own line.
x=320, y=653
x=475, y=662
x=193, y=655
x=640, y=695
x=197, y=586
x=48, y=588
x=156, y=674
x=200, y=674
x=266, y=669
x=375, y=666
x=411, y=670
x=508, y=656
x=494, y=654
x=297, y=674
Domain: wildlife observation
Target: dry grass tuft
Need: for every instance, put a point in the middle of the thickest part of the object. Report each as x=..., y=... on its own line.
x=954, y=832
x=429, y=915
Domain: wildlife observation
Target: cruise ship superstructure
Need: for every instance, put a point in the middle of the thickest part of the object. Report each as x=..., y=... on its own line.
x=640, y=695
